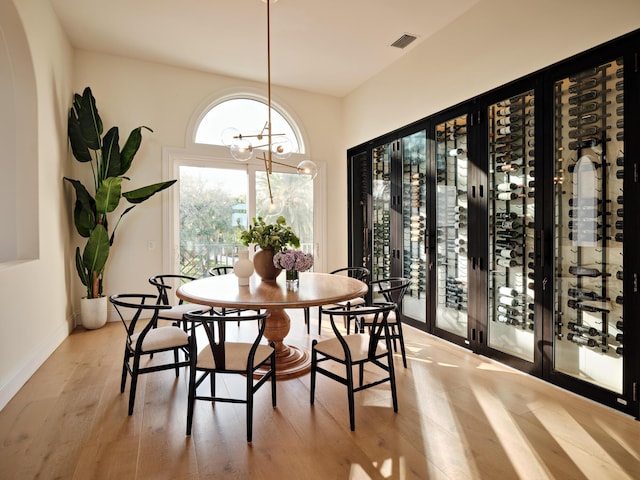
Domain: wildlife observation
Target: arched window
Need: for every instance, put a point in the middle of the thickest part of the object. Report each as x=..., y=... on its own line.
x=218, y=195
x=247, y=115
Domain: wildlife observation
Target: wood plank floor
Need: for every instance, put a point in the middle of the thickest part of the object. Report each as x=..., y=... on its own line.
x=460, y=416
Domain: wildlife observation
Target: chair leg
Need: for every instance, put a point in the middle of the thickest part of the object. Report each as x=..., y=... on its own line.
x=319, y=320
x=392, y=381
x=191, y=398
x=212, y=383
x=125, y=362
x=307, y=320
x=401, y=338
x=350, y=394
x=273, y=378
x=314, y=364
x=176, y=359
x=134, y=383
x=249, y=407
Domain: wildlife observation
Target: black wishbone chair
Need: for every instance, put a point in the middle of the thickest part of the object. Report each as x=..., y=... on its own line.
x=164, y=284
x=360, y=273
x=254, y=360
x=151, y=339
x=357, y=349
x=390, y=290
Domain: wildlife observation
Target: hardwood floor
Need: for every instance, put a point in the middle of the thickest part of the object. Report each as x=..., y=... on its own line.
x=460, y=416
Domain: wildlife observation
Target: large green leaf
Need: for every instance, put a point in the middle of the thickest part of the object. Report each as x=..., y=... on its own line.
x=96, y=251
x=130, y=149
x=108, y=195
x=111, y=154
x=78, y=143
x=84, y=211
x=139, y=195
x=82, y=270
x=90, y=122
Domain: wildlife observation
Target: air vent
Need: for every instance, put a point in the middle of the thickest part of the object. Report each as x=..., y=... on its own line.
x=404, y=41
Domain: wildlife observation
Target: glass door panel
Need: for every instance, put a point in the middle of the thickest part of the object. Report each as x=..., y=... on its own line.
x=213, y=205
x=511, y=226
x=588, y=209
x=380, y=210
x=293, y=198
x=451, y=226
x=414, y=221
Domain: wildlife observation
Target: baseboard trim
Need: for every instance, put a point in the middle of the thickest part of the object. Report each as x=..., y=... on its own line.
x=41, y=353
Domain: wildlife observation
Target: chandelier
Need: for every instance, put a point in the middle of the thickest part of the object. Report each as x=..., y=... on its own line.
x=277, y=145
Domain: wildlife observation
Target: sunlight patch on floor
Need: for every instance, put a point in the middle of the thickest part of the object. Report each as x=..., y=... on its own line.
x=524, y=459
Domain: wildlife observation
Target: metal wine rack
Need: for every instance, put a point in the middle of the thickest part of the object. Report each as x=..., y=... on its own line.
x=589, y=134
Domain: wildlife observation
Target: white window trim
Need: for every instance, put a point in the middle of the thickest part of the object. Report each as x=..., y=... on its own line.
x=199, y=155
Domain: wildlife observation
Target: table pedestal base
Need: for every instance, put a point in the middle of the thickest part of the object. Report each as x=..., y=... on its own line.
x=291, y=361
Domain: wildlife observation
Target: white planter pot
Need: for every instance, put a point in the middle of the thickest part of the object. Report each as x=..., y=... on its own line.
x=93, y=312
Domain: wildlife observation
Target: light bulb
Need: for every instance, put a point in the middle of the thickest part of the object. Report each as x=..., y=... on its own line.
x=282, y=148
x=230, y=135
x=307, y=167
x=241, y=149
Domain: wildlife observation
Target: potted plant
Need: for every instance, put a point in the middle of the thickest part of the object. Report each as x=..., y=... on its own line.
x=271, y=238
x=92, y=209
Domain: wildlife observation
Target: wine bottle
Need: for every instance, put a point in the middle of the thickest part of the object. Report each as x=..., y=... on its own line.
x=583, y=329
x=506, y=262
x=507, y=187
x=588, y=143
x=620, y=325
x=584, y=271
x=507, y=310
x=584, y=108
x=620, y=199
x=509, y=224
x=588, y=83
x=584, y=131
x=509, y=301
x=620, y=161
x=590, y=72
x=511, y=292
x=580, y=294
x=575, y=338
x=619, y=224
x=457, y=151
x=585, y=119
x=507, y=215
x=619, y=275
x=509, y=196
x=583, y=97
x=586, y=308
x=619, y=237
x=507, y=253
x=620, y=300
x=619, y=350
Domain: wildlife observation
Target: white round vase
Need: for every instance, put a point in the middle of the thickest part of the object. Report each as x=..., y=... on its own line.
x=243, y=268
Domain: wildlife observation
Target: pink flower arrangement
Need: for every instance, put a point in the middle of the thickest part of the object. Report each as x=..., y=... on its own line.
x=293, y=260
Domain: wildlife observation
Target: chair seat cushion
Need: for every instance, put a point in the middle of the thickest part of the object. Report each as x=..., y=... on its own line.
x=358, y=345
x=177, y=311
x=236, y=358
x=368, y=319
x=162, y=338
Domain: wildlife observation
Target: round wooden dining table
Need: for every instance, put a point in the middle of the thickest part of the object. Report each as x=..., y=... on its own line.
x=315, y=289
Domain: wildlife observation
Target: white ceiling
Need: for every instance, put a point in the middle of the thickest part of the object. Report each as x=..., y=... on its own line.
x=328, y=47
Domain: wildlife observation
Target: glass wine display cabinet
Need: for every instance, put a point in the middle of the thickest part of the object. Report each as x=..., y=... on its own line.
x=507, y=212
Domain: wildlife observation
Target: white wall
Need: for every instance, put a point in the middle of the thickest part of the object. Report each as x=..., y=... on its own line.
x=35, y=315
x=493, y=43
x=130, y=93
